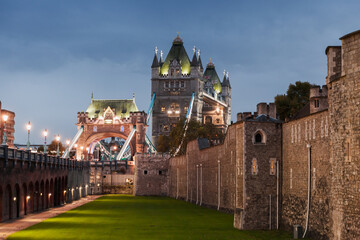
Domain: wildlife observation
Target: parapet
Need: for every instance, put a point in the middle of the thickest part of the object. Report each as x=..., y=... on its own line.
x=318, y=92
x=266, y=109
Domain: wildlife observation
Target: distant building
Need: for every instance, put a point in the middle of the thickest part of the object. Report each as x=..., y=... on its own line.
x=10, y=124
x=174, y=79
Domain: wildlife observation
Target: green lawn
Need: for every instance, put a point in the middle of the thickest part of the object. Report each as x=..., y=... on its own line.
x=128, y=217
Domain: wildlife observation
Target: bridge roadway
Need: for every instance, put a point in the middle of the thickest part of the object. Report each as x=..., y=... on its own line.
x=32, y=182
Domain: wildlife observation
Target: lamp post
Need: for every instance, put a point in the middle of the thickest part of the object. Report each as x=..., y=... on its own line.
x=58, y=145
x=45, y=135
x=115, y=148
x=4, y=140
x=28, y=126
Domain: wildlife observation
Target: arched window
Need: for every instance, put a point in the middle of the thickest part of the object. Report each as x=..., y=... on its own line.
x=259, y=137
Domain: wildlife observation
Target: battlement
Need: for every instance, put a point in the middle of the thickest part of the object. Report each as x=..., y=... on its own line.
x=319, y=92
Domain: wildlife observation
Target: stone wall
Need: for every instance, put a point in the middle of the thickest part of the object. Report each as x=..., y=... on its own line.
x=151, y=174
x=31, y=182
x=195, y=176
x=260, y=174
x=221, y=176
x=344, y=102
x=312, y=130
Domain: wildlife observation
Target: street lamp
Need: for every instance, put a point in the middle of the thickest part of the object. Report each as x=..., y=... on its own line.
x=58, y=144
x=4, y=141
x=28, y=126
x=45, y=135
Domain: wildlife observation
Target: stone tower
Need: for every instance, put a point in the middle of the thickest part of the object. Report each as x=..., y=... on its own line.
x=174, y=79
x=344, y=97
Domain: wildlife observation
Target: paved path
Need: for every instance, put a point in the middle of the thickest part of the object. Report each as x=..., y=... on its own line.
x=15, y=225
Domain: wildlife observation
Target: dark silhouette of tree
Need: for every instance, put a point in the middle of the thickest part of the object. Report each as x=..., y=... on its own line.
x=195, y=130
x=296, y=97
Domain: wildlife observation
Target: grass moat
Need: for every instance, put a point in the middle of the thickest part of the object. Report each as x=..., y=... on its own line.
x=129, y=217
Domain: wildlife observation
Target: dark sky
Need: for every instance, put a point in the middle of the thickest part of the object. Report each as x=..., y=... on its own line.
x=53, y=54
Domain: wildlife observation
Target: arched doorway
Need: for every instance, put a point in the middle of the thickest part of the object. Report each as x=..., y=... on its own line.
x=30, y=198
x=25, y=199
x=51, y=193
x=8, y=203
x=36, y=196
x=1, y=204
x=17, y=200
x=46, y=194
x=41, y=195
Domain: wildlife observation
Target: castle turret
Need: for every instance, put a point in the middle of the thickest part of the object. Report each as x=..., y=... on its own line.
x=155, y=66
x=226, y=95
x=333, y=54
x=318, y=99
x=199, y=61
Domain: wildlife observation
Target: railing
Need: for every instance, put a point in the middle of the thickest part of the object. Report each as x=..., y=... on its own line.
x=30, y=158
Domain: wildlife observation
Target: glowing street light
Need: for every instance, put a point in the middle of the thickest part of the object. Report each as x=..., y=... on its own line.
x=58, y=144
x=45, y=135
x=4, y=141
x=28, y=126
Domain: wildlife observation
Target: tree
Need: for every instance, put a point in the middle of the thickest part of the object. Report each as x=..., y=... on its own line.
x=296, y=97
x=195, y=130
x=52, y=148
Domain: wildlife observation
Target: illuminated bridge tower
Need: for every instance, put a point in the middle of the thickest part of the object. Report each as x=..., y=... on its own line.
x=176, y=79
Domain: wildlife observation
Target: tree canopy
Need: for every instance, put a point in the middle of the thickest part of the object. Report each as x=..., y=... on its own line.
x=195, y=130
x=52, y=148
x=296, y=97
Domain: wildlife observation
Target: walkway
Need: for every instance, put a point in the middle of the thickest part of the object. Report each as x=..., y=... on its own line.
x=15, y=225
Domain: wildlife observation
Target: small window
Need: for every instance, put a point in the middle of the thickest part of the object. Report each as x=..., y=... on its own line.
x=177, y=71
x=316, y=103
x=160, y=172
x=254, y=167
x=182, y=84
x=218, y=120
x=145, y=172
x=208, y=119
x=186, y=109
x=166, y=128
x=258, y=138
x=172, y=72
x=162, y=109
x=272, y=166
x=95, y=129
x=122, y=128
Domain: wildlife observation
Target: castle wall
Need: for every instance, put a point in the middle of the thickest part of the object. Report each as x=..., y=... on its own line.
x=195, y=175
x=260, y=184
x=314, y=130
x=344, y=101
x=151, y=175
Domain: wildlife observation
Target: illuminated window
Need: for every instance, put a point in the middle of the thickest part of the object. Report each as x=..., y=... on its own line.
x=208, y=119
x=122, y=128
x=254, y=167
x=162, y=109
x=177, y=71
x=186, y=109
x=166, y=128
x=272, y=166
